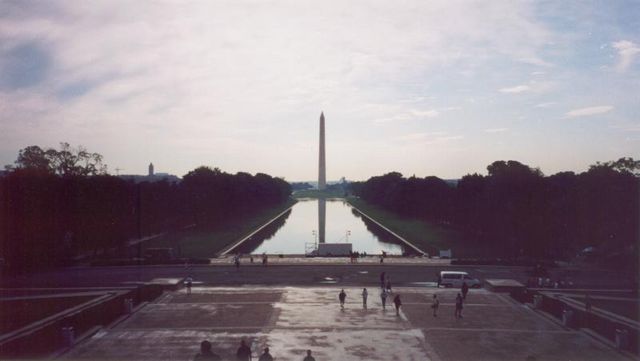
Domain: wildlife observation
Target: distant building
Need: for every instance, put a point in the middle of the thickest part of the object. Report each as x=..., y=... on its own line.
x=152, y=176
x=155, y=178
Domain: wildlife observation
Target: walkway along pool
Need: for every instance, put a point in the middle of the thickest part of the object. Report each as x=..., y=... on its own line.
x=312, y=221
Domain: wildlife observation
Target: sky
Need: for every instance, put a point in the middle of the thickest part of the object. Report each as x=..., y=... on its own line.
x=424, y=88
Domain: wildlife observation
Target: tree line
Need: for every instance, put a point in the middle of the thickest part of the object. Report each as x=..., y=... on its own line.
x=516, y=211
x=56, y=207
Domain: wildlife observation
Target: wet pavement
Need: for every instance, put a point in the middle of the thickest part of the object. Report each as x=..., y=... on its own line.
x=290, y=320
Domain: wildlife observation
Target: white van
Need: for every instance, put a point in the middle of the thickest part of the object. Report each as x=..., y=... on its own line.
x=456, y=278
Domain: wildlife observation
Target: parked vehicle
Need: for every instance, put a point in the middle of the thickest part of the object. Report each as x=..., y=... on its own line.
x=456, y=278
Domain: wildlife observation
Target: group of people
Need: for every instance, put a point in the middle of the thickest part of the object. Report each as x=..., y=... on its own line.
x=353, y=256
x=243, y=353
x=460, y=298
x=238, y=257
x=342, y=297
x=546, y=282
x=385, y=292
x=435, y=303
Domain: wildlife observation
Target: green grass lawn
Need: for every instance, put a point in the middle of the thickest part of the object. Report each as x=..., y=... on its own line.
x=206, y=243
x=427, y=236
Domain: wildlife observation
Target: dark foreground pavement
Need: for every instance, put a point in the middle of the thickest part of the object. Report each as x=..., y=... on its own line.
x=290, y=320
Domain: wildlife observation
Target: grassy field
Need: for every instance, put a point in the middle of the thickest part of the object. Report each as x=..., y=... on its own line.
x=206, y=243
x=424, y=235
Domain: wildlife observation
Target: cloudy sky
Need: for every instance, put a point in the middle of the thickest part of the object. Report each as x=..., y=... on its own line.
x=422, y=87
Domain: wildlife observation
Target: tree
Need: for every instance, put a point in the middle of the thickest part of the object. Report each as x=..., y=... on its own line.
x=32, y=158
x=65, y=162
x=69, y=162
x=622, y=165
x=511, y=168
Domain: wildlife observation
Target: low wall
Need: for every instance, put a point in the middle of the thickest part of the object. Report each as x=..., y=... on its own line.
x=43, y=337
x=600, y=321
x=411, y=245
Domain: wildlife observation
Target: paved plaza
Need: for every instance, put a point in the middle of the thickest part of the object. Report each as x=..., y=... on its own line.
x=290, y=320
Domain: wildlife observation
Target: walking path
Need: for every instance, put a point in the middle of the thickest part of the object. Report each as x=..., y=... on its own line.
x=302, y=260
x=290, y=320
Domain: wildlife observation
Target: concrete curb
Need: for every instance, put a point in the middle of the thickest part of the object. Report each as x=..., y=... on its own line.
x=230, y=248
x=388, y=230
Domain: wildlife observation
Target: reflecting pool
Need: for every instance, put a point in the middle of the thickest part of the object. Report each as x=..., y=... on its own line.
x=320, y=220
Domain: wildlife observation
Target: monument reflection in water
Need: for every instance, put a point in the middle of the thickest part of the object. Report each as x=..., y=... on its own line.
x=330, y=221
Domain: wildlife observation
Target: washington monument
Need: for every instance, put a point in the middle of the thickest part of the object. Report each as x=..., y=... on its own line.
x=322, y=171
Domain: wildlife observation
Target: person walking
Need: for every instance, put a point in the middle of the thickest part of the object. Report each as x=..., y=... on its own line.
x=205, y=352
x=266, y=356
x=398, y=303
x=435, y=303
x=342, y=296
x=244, y=352
x=236, y=260
x=188, y=282
x=383, y=298
x=465, y=290
x=309, y=357
x=389, y=285
x=365, y=294
x=458, y=311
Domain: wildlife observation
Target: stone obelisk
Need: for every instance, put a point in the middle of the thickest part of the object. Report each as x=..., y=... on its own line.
x=322, y=171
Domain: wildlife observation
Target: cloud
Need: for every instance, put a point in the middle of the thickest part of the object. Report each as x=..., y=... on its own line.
x=516, y=89
x=535, y=61
x=533, y=86
x=181, y=83
x=24, y=65
x=425, y=113
x=449, y=138
x=628, y=127
x=496, y=130
x=429, y=138
x=408, y=115
x=627, y=51
x=394, y=118
x=545, y=104
x=413, y=137
x=583, y=112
